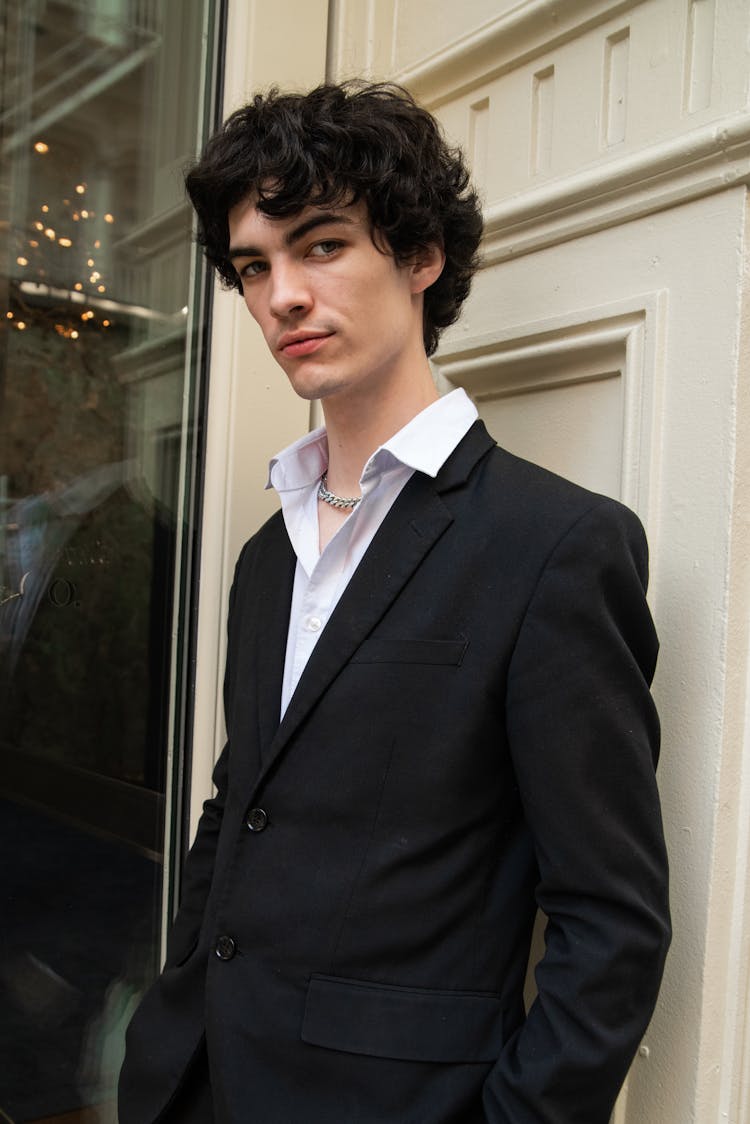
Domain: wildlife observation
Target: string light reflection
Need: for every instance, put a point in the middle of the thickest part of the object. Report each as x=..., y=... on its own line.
x=49, y=272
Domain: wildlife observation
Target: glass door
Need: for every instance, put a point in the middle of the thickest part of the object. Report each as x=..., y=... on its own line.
x=101, y=310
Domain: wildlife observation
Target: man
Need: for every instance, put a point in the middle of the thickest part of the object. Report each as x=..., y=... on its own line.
x=436, y=695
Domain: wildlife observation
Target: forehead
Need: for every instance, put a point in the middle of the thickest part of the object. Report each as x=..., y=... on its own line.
x=246, y=222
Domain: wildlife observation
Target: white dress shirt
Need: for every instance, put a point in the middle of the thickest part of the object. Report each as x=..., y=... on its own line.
x=423, y=445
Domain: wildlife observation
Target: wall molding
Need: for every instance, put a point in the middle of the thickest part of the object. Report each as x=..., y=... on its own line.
x=619, y=339
x=611, y=188
x=700, y=162
x=532, y=28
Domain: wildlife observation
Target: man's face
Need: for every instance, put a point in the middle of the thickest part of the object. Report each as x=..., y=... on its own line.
x=340, y=317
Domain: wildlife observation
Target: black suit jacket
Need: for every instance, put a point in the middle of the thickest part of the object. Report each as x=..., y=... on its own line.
x=473, y=736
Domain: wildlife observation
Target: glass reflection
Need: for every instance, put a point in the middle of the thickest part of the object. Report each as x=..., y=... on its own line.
x=94, y=288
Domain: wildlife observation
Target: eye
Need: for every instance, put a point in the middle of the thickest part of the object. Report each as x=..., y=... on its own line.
x=252, y=269
x=325, y=248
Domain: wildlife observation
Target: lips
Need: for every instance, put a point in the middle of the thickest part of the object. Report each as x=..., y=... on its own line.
x=297, y=344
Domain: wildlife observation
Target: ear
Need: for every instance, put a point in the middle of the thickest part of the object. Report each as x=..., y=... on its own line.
x=426, y=269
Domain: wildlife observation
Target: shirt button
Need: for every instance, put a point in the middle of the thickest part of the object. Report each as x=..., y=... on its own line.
x=314, y=624
x=225, y=948
x=256, y=819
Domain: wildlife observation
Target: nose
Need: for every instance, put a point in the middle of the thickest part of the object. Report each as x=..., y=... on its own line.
x=289, y=290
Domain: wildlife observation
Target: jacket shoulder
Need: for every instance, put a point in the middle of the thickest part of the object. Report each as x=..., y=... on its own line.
x=270, y=533
x=545, y=496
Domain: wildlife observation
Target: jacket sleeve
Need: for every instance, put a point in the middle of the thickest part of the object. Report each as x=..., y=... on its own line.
x=584, y=737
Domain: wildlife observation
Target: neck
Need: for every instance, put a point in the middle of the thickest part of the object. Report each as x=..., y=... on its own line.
x=357, y=427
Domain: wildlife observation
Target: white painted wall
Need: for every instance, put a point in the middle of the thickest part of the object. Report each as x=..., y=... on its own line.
x=606, y=336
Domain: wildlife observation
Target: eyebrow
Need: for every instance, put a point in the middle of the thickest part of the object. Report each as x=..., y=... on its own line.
x=323, y=218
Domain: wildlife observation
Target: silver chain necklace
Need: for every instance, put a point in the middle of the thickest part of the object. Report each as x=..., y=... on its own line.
x=331, y=497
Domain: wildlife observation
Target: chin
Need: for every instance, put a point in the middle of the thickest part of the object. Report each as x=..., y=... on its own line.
x=312, y=389
x=307, y=394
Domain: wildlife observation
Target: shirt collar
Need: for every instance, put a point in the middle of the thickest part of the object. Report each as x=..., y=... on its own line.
x=426, y=442
x=299, y=464
x=423, y=444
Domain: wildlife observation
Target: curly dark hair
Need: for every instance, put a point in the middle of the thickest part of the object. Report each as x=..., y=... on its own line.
x=337, y=145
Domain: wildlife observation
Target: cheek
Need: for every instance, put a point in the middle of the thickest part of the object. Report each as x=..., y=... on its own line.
x=375, y=308
x=263, y=322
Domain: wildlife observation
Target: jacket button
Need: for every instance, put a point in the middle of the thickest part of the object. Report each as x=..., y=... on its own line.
x=256, y=819
x=225, y=948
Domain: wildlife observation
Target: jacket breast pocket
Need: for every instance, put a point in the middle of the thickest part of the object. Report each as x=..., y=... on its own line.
x=404, y=1023
x=384, y=649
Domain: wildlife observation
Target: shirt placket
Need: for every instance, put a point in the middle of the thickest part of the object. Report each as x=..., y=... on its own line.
x=318, y=599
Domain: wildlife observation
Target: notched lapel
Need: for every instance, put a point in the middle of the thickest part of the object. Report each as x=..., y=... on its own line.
x=276, y=580
x=418, y=518
x=415, y=522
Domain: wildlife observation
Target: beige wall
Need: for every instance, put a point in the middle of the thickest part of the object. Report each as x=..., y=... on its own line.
x=607, y=336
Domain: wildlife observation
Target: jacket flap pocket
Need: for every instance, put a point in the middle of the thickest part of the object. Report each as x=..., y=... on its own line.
x=413, y=1024
x=388, y=650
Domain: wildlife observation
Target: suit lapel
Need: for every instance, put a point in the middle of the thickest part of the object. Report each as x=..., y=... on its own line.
x=408, y=532
x=418, y=518
x=275, y=583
